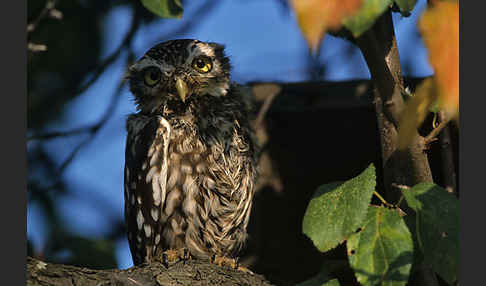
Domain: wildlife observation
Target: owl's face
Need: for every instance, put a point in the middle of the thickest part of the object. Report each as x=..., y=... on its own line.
x=179, y=71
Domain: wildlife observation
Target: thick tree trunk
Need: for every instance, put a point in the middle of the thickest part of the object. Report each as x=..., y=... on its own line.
x=193, y=273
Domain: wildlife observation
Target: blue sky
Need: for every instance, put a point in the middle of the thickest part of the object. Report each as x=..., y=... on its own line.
x=264, y=44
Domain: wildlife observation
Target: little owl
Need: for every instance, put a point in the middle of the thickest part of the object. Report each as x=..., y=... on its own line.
x=190, y=160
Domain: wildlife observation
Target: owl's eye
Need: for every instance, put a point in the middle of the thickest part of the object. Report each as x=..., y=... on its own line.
x=202, y=64
x=151, y=76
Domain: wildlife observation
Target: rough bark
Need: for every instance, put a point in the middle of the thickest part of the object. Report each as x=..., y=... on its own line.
x=193, y=272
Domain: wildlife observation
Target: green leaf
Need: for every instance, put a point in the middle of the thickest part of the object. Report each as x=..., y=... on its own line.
x=333, y=282
x=366, y=16
x=436, y=227
x=406, y=6
x=337, y=210
x=164, y=8
x=382, y=252
x=418, y=257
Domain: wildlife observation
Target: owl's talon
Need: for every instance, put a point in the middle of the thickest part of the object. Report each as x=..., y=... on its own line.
x=231, y=262
x=174, y=255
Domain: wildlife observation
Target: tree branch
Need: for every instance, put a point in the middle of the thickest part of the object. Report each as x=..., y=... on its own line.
x=433, y=134
x=93, y=131
x=96, y=127
x=48, y=8
x=57, y=134
x=193, y=272
x=269, y=92
x=100, y=69
x=410, y=166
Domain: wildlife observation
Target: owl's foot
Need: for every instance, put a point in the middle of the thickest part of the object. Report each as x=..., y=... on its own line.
x=173, y=255
x=231, y=262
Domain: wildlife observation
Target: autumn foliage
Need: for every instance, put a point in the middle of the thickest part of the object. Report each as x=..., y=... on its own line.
x=439, y=26
x=440, y=29
x=315, y=17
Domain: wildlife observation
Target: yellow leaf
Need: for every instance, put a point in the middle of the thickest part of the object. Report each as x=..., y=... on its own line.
x=415, y=112
x=439, y=26
x=315, y=17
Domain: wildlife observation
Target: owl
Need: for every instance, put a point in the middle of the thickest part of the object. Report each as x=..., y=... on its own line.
x=190, y=159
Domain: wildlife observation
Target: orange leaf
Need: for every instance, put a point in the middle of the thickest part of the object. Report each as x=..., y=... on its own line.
x=315, y=17
x=439, y=26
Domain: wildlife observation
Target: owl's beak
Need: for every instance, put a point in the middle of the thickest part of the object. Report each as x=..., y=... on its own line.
x=182, y=89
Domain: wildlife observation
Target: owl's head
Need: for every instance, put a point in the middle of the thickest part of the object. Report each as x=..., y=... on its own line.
x=179, y=71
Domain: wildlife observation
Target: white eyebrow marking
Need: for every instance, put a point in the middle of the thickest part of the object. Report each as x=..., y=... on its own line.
x=204, y=49
x=200, y=49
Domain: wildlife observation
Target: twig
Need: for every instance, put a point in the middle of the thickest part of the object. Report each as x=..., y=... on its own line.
x=264, y=109
x=274, y=90
x=50, y=6
x=108, y=61
x=433, y=134
x=36, y=47
x=93, y=132
x=97, y=73
x=382, y=199
x=56, y=134
x=95, y=128
x=48, y=10
x=400, y=187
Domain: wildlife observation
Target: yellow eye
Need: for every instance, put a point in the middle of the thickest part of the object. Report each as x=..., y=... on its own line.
x=151, y=76
x=202, y=64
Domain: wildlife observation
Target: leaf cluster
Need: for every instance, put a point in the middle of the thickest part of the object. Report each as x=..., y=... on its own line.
x=383, y=243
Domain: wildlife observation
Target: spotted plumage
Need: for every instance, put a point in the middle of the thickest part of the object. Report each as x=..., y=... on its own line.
x=190, y=165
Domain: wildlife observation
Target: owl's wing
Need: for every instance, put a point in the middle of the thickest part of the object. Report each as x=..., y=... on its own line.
x=145, y=180
x=228, y=188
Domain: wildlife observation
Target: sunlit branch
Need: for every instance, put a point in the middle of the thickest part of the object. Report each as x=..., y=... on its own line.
x=46, y=11
x=435, y=132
